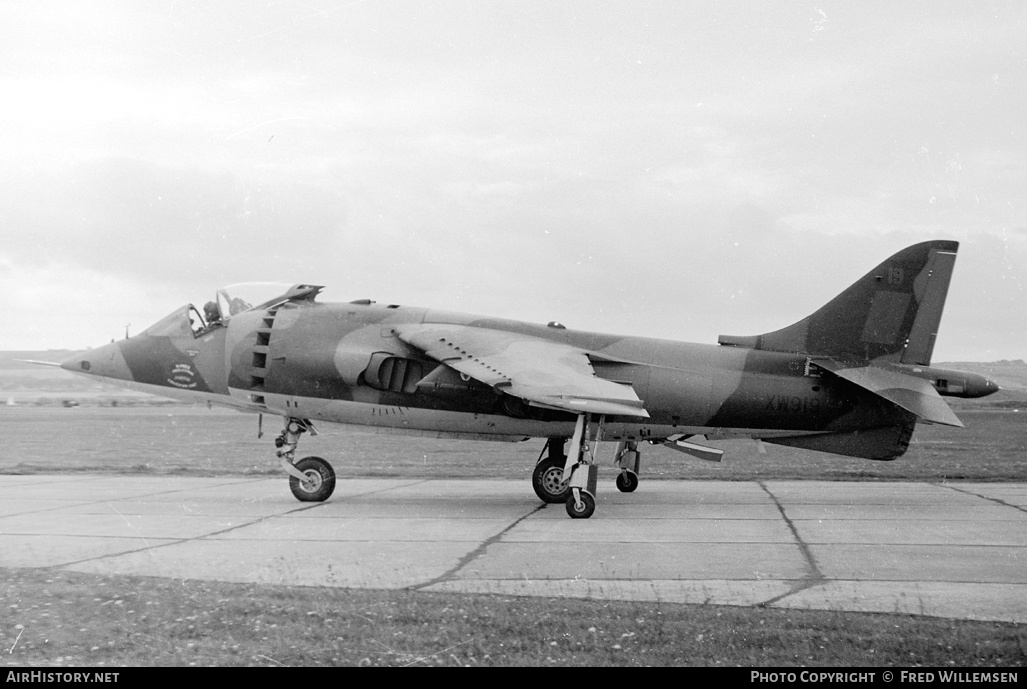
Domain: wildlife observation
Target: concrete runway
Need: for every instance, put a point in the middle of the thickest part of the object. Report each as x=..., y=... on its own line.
x=948, y=550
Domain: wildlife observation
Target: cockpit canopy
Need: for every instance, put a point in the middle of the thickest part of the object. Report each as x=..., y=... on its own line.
x=243, y=296
x=229, y=301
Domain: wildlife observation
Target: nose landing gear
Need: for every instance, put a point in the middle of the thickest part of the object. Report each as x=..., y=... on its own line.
x=318, y=482
x=311, y=479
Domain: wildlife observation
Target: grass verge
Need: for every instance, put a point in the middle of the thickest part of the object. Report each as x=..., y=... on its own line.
x=55, y=617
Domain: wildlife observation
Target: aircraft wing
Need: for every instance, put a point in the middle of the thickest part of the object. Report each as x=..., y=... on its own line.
x=545, y=373
x=913, y=394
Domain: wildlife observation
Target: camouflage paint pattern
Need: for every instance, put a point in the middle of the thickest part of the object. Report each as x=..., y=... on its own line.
x=352, y=363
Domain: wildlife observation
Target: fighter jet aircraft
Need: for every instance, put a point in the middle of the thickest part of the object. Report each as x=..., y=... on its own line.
x=853, y=378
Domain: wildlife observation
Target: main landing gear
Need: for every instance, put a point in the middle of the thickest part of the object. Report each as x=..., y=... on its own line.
x=311, y=479
x=549, y=479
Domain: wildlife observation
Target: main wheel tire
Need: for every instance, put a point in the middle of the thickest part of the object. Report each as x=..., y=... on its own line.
x=627, y=481
x=588, y=506
x=548, y=482
x=320, y=481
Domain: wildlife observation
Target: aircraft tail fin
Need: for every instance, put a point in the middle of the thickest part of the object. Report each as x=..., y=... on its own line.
x=890, y=314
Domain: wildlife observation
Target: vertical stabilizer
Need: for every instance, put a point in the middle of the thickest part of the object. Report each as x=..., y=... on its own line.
x=892, y=313
x=930, y=296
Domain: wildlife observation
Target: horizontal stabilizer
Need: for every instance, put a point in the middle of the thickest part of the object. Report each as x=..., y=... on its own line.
x=709, y=454
x=915, y=395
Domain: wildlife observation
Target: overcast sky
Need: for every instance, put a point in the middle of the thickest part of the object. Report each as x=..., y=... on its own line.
x=672, y=169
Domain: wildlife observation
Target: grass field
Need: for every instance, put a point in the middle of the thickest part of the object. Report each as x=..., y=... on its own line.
x=215, y=442
x=54, y=617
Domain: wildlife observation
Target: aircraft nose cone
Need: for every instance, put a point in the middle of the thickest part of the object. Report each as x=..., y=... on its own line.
x=991, y=386
x=105, y=362
x=78, y=364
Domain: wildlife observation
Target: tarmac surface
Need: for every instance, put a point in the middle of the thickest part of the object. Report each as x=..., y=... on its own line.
x=955, y=550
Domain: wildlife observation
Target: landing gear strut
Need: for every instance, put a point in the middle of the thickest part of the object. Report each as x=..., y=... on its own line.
x=570, y=477
x=311, y=479
x=581, y=503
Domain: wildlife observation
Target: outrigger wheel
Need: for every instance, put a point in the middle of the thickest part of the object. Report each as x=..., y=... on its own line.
x=319, y=483
x=627, y=481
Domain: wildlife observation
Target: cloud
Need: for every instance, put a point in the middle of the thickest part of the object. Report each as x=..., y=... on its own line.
x=140, y=220
x=62, y=305
x=669, y=169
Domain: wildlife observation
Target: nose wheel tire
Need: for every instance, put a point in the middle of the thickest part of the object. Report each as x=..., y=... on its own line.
x=548, y=481
x=319, y=482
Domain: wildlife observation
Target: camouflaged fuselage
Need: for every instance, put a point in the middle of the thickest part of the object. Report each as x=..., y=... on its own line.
x=852, y=378
x=343, y=362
